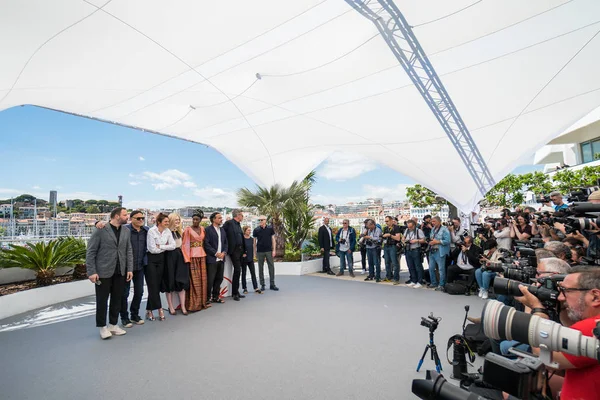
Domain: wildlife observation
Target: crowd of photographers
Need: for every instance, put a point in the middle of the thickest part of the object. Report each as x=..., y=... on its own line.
x=545, y=264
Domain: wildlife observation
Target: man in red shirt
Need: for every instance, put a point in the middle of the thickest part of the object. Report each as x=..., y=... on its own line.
x=580, y=300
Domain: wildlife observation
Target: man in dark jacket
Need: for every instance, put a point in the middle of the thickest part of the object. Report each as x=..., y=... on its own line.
x=235, y=243
x=467, y=260
x=215, y=245
x=326, y=243
x=139, y=234
x=346, y=243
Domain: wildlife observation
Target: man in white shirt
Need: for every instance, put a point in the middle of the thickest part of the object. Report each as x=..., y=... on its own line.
x=502, y=235
x=467, y=259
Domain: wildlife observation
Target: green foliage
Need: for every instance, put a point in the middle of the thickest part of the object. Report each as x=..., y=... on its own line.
x=298, y=223
x=276, y=201
x=291, y=254
x=45, y=257
x=420, y=196
x=313, y=244
x=510, y=191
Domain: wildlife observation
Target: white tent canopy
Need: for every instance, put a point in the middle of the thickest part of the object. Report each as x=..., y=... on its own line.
x=519, y=73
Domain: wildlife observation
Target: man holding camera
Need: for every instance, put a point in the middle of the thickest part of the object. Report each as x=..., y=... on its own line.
x=391, y=235
x=467, y=258
x=413, y=239
x=373, y=243
x=439, y=249
x=502, y=235
x=580, y=299
x=346, y=242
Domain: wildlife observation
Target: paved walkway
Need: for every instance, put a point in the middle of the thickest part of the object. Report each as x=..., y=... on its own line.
x=315, y=339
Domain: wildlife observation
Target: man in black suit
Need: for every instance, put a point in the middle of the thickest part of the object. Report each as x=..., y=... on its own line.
x=466, y=260
x=326, y=243
x=215, y=245
x=235, y=243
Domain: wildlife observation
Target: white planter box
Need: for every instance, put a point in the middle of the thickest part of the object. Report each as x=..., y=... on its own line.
x=10, y=275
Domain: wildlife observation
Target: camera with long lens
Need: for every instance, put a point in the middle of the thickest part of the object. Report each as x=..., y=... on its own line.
x=520, y=377
x=342, y=241
x=369, y=242
x=430, y=322
x=511, y=271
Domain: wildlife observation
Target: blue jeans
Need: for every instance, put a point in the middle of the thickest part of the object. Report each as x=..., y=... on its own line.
x=415, y=265
x=344, y=255
x=508, y=344
x=484, y=278
x=374, y=262
x=392, y=267
x=440, y=261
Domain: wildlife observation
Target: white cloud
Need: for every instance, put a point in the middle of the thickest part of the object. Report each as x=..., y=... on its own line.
x=211, y=196
x=134, y=183
x=168, y=179
x=5, y=191
x=36, y=187
x=343, y=166
x=142, y=158
x=82, y=196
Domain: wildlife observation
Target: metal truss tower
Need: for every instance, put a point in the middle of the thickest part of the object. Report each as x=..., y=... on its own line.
x=401, y=39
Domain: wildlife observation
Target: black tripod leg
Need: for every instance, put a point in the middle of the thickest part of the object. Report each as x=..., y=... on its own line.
x=422, y=358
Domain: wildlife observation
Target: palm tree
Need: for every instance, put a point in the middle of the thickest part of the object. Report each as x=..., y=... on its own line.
x=272, y=202
x=44, y=258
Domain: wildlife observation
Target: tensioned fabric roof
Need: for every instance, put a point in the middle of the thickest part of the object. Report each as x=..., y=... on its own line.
x=519, y=72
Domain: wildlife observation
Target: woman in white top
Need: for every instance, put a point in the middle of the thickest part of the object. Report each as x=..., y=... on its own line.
x=159, y=240
x=177, y=272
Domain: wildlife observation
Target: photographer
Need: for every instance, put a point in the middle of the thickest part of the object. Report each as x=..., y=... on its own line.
x=520, y=229
x=485, y=236
x=580, y=298
x=414, y=238
x=363, y=247
x=391, y=236
x=484, y=278
x=439, y=249
x=455, y=232
x=466, y=258
x=345, y=240
x=502, y=235
x=373, y=243
x=559, y=249
x=557, y=200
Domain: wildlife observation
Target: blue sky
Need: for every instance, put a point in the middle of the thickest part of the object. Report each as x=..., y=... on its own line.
x=44, y=150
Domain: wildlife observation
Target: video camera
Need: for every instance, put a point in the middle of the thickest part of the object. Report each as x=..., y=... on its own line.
x=430, y=322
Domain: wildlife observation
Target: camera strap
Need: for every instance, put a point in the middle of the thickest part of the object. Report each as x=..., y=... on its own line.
x=459, y=340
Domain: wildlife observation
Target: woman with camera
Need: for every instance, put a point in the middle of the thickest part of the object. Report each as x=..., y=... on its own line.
x=520, y=228
x=484, y=278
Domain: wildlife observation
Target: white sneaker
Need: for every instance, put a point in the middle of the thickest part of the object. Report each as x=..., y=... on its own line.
x=480, y=292
x=417, y=285
x=116, y=330
x=484, y=295
x=105, y=333
x=410, y=284
x=364, y=272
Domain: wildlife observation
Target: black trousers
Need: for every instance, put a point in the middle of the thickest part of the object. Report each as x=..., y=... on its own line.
x=236, y=260
x=454, y=270
x=363, y=257
x=249, y=265
x=215, y=277
x=138, y=292
x=112, y=287
x=154, y=274
x=326, y=266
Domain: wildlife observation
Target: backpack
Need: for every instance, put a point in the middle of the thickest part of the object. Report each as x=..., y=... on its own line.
x=457, y=287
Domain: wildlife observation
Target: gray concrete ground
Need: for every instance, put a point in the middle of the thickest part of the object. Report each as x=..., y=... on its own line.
x=315, y=339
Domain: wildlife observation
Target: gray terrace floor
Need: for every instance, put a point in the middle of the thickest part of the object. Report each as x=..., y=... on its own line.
x=317, y=338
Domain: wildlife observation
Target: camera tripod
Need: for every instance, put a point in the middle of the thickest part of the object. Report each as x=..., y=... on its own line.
x=434, y=354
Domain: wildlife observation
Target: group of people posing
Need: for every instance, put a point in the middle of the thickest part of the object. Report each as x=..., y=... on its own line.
x=185, y=264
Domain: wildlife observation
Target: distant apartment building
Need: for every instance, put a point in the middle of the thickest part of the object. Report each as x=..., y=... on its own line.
x=29, y=212
x=419, y=212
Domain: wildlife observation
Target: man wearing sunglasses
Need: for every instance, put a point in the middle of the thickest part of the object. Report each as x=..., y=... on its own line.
x=580, y=299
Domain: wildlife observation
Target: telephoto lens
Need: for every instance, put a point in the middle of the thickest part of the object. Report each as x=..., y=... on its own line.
x=501, y=322
x=511, y=287
x=436, y=387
